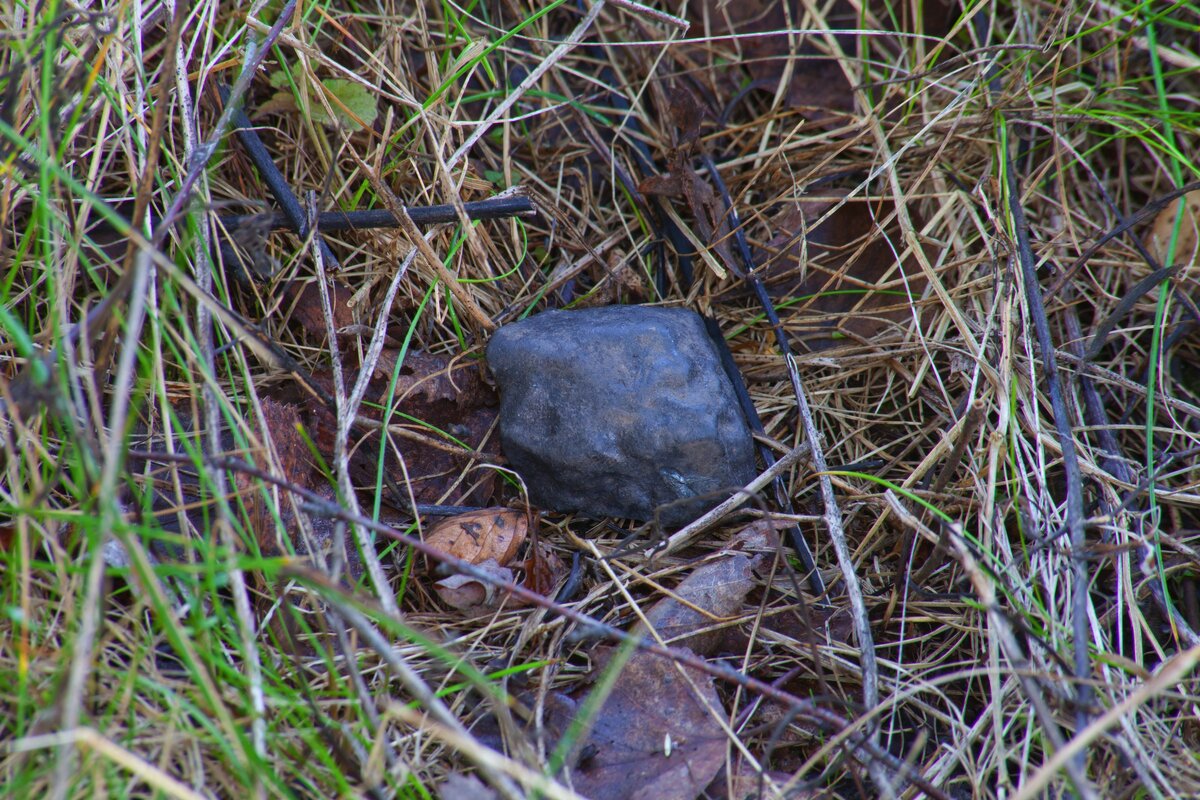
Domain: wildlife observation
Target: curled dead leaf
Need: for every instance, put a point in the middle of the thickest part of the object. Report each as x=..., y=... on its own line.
x=470, y=595
x=1158, y=238
x=477, y=536
x=543, y=569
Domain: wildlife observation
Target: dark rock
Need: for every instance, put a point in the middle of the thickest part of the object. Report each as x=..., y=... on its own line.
x=619, y=411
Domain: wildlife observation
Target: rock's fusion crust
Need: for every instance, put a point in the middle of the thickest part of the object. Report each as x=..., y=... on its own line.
x=619, y=411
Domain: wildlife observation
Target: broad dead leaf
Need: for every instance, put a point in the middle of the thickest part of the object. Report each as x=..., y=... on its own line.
x=844, y=265
x=697, y=613
x=477, y=536
x=654, y=738
x=458, y=786
x=816, y=84
x=303, y=300
x=429, y=378
x=446, y=397
x=748, y=784
x=294, y=464
x=472, y=596
x=543, y=569
x=694, y=615
x=1158, y=238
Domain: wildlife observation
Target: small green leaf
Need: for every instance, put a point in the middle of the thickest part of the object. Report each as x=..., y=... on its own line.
x=356, y=99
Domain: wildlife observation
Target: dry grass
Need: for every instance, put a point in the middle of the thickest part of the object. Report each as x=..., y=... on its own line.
x=1025, y=551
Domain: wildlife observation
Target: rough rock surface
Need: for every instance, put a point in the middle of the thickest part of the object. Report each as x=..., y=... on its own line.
x=619, y=411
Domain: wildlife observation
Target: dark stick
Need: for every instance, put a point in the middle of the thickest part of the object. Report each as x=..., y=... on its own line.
x=293, y=215
x=1096, y=415
x=795, y=536
x=1143, y=214
x=205, y=152
x=1036, y=301
x=492, y=208
x=815, y=582
x=1062, y=422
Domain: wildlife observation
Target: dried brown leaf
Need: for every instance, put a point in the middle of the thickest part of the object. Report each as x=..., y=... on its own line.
x=1158, y=238
x=653, y=738
x=477, y=536
x=470, y=595
x=304, y=300
x=694, y=614
x=448, y=398
x=839, y=262
x=543, y=569
x=458, y=786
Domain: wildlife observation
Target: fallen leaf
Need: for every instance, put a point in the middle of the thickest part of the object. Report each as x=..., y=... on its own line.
x=841, y=267
x=653, y=739
x=429, y=378
x=816, y=83
x=294, y=463
x=543, y=569
x=352, y=104
x=477, y=536
x=470, y=595
x=747, y=784
x=445, y=396
x=457, y=786
x=305, y=307
x=694, y=614
x=1158, y=238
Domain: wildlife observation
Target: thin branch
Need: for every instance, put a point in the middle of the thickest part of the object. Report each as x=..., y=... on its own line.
x=1066, y=439
x=293, y=215
x=500, y=207
x=816, y=581
x=685, y=535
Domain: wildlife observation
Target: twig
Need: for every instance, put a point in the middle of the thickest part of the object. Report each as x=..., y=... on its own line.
x=682, y=537
x=223, y=526
x=347, y=409
x=1124, y=306
x=1062, y=423
x=256, y=54
x=837, y=535
x=653, y=13
x=815, y=580
x=833, y=514
x=200, y=157
x=293, y=214
x=1096, y=416
x=493, y=208
x=1174, y=671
